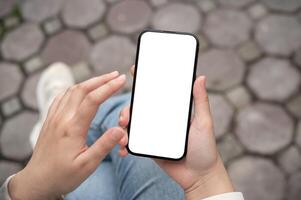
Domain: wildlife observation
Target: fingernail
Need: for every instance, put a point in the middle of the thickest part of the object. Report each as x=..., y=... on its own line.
x=203, y=80
x=121, y=77
x=114, y=73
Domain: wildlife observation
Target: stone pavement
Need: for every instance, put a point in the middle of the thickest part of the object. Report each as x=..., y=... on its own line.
x=250, y=51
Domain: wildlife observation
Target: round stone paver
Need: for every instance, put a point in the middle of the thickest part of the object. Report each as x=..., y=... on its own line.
x=298, y=135
x=273, y=79
x=8, y=168
x=121, y=47
x=235, y=3
x=222, y=113
x=257, y=178
x=280, y=5
x=297, y=57
x=40, y=10
x=6, y=6
x=11, y=78
x=22, y=42
x=15, y=135
x=129, y=16
x=177, y=17
x=294, y=106
x=239, y=96
x=264, y=128
x=290, y=160
x=221, y=30
x=80, y=14
x=224, y=69
x=70, y=47
x=279, y=34
x=229, y=148
x=294, y=187
x=28, y=93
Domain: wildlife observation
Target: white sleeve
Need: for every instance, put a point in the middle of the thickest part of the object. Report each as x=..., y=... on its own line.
x=4, y=189
x=227, y=196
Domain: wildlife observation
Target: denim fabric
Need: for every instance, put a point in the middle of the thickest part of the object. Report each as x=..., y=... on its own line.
x=123, y=178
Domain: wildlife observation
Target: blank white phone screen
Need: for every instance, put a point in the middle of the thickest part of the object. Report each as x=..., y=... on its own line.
x=162, y=91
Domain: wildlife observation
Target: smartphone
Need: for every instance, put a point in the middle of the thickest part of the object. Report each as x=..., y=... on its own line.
x=161, y=100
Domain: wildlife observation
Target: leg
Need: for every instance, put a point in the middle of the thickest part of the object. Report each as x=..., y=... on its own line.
x=100, y=185
x=138, y=178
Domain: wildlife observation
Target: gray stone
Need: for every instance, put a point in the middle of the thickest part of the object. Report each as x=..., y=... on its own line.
x=264, y=128
x=297, y=57
x=11, y=21
x=7, y=169
x=298, y=134
x=129, y=16
x=294, y=106
x=280, y=5
x=11, y=106
x=129, y=82
x=177, y=17
x=223, y=68
x=203, y=43
x=236, y=3
x=257, y=11
x=290, y=160
x=70, y=47
x=257, y=178
x=23, y=42
x=221, y=30
x=112, y=1
x=229, y=148
x=81, y=14
x=40, y=10
x=121, y=47
x=273, y=79
x=249, y=51
x=28, y=93
x=15, y=141
x=294, y=187
x=239, y=96
x=6, y=6
x=222, y=113
x=157, y=3
x=206, y=5
x=279, y=34
x=33, y=64
x=52, y=26
x=98, y=32
x=10, y=80
x=81, y=72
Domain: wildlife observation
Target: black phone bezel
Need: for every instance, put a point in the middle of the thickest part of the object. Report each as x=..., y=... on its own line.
x=191, y=93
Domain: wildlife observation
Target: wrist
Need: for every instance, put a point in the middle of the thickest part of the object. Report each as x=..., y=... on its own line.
x=23, y=186
x=214, y=182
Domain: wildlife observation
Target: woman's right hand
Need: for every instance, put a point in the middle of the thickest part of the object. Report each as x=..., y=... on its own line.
x=61, y=159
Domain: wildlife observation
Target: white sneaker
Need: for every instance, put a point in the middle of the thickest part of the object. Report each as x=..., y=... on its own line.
x=56, y=79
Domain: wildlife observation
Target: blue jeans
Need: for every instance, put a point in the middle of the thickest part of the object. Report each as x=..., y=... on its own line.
x=126, y=178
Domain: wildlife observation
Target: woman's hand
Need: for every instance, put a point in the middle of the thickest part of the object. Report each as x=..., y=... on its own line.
x=61, y=159
x=201, y=173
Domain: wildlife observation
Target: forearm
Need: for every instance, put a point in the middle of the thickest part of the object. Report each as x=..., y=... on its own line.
x=215, y=182
x=26, y=187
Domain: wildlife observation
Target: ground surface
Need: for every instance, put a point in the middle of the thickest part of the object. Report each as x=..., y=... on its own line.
x=250, y=52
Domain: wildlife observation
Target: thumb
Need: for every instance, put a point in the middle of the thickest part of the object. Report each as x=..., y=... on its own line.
x=102, y=146
x=201, y=102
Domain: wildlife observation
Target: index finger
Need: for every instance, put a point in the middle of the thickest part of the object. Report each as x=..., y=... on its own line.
x=88, y=107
